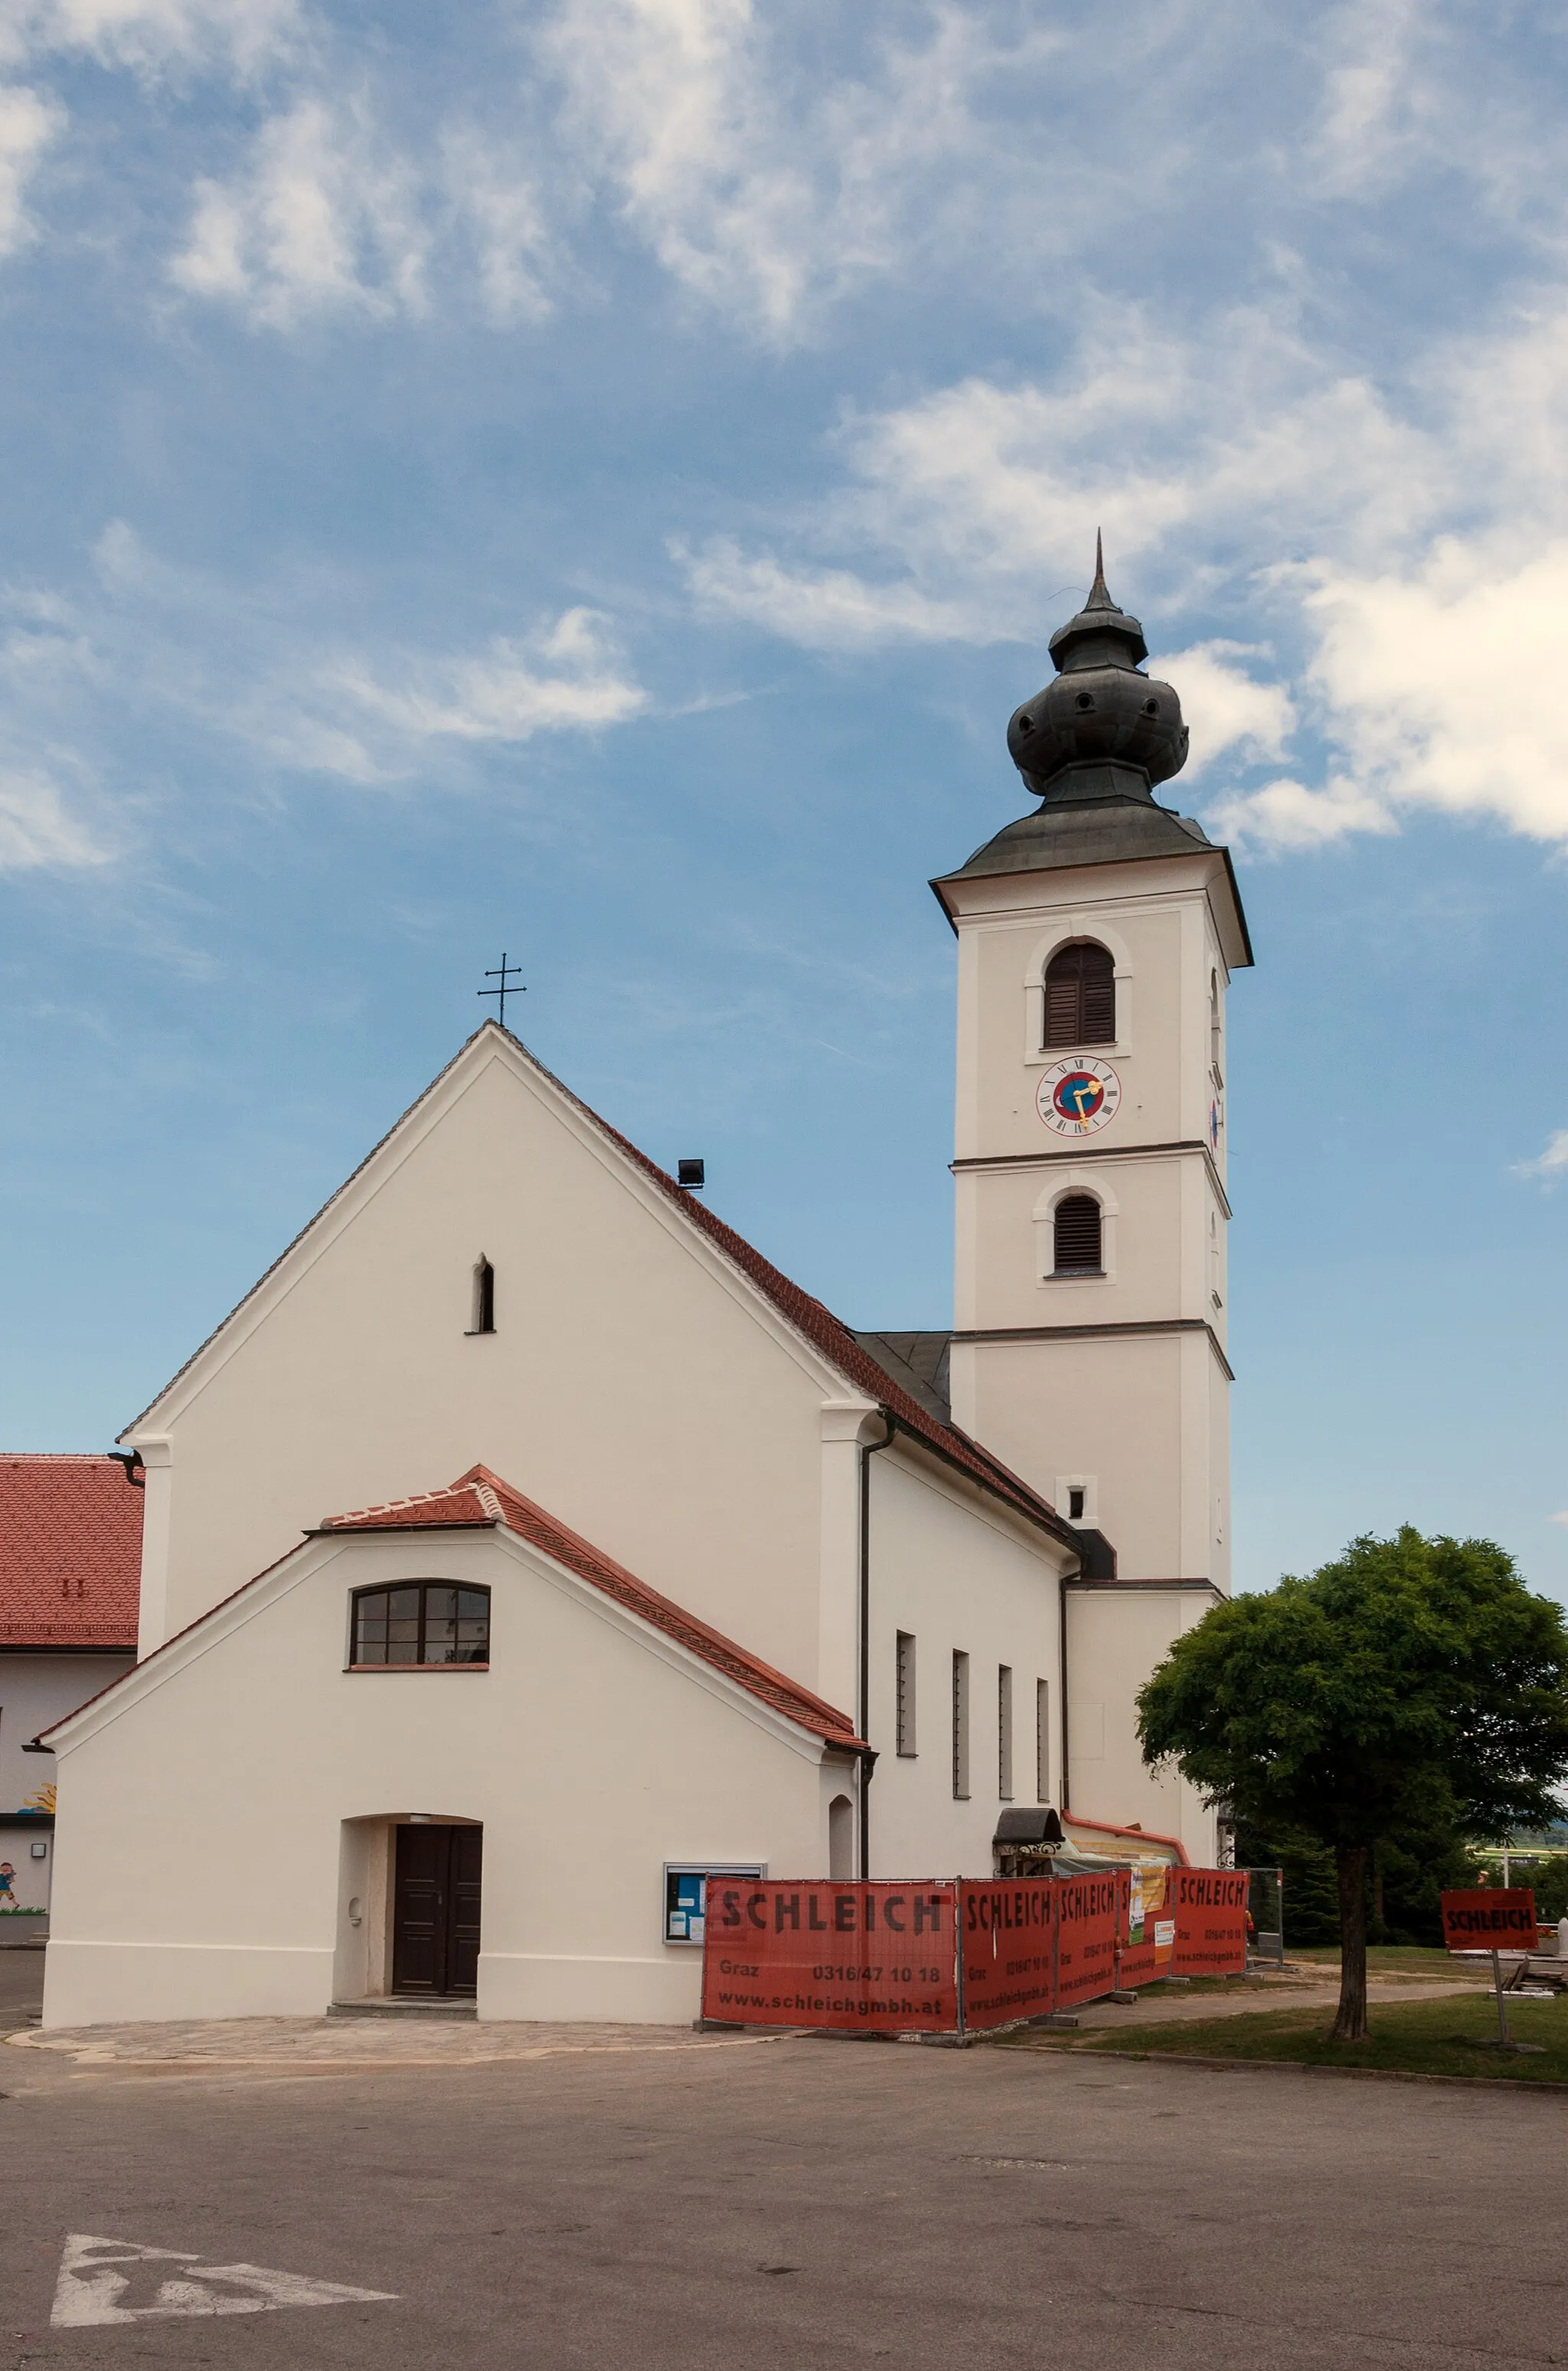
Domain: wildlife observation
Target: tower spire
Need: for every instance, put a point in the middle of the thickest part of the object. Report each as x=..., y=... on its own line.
x=1099, y=598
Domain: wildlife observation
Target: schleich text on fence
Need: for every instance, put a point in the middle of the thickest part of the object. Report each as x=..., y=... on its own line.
x=959, y=1955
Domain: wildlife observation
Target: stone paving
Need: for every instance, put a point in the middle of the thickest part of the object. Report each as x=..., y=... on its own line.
x=423, y=2039
x=358, y=2042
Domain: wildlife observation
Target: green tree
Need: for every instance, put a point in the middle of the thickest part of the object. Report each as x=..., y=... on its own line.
x=1409, y=1683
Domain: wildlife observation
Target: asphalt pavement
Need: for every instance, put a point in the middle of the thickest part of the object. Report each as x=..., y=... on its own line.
x=799, y=2204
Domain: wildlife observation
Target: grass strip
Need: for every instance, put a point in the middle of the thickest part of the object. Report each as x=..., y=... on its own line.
x=1438, y=2037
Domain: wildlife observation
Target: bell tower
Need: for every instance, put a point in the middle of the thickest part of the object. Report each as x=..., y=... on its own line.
x=1097, y=937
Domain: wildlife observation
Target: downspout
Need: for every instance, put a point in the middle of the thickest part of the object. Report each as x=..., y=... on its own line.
x=868, y=1451
x=1062, y=1648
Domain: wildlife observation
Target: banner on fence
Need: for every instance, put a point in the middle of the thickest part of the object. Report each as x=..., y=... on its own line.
x=1008, y=1935
x=1149, y=1933
x=944, y=1957
x=1209, y=1910
x=1091, y=1912
x=867, y=1958
x=1488, y=1918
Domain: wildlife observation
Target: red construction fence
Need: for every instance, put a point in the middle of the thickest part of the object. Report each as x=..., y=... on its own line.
x=960, y=1956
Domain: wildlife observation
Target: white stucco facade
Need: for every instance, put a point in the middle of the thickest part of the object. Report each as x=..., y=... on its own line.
x=642, y=1387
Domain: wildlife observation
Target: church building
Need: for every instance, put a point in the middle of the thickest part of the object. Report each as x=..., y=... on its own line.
x=525, y=1544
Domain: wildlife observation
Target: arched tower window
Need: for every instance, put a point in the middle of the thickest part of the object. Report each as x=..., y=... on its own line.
x=1080, y=996
x=1077, y=1236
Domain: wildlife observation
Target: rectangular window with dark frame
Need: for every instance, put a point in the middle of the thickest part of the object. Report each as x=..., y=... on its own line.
x=1041, y=1742
x=1004, y=1733
x=904, y=1722
x=959, y=1726
x=429, y=1623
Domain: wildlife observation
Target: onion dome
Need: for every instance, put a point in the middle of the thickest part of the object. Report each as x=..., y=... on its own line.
x=1102, y=730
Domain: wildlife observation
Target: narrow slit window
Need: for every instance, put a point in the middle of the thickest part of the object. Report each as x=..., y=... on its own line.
x=1042, y=1740
x=1077, y=1236
x=906, y=1700
x=960, y=1727
x=483, y=1318
x=1075, y=1506
x=1080, y=996
x=1004, y=1733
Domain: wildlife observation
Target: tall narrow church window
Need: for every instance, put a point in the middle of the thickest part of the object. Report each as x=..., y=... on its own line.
x=483, y=1319
x=959, y=1726
x=1076, y=1225
x=1080, y=996
x=1041, y=1742
x=1004, y=1733
x=1214, y=1027
x=905, y=1700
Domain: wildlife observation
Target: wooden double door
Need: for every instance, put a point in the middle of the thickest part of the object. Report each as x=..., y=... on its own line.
x=435, y=1910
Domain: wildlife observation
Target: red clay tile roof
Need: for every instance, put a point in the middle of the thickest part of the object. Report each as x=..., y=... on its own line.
x=70, y=1552
x=829, y=1334
x=826, y=1333
x=480, y=1497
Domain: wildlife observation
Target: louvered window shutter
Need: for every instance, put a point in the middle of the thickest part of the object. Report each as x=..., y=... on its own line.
x=1078, y=1235
x=1080, y=997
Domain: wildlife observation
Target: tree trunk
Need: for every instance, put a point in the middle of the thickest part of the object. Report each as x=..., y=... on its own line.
x=1351, y=2025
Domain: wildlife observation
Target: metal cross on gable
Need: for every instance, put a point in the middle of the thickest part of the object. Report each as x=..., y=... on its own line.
x=504, y=975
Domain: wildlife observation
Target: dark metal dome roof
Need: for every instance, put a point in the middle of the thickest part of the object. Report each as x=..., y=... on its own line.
x=1080, y=737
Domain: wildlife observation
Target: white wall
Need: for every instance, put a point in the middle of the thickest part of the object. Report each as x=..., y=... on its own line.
x=630, y=1386
x=35, y=1692
x=591, y=1751
x=953, y=1575
x=1115, y=1636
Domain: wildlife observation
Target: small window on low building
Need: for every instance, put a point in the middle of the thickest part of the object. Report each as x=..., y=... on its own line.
x=1075, y=1506
x=1077, y=1236
x=420, y=1622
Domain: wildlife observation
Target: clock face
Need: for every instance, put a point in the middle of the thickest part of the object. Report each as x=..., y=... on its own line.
x=1078, y=1095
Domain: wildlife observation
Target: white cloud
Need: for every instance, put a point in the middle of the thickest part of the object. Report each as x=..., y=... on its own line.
x=1416, y=626
x=1561, y=1518
x=1548, y=1166
x=37, y=833
x=1225, y=709
x=324, y=219
x=764, y=181
x=149, y=35
x=568, y=676
x=824, y=609
x=28, y=123
x=1446, y=681
x=329, y=215
x=1285, y=816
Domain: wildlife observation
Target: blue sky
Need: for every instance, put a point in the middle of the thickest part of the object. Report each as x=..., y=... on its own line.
x=594, y=479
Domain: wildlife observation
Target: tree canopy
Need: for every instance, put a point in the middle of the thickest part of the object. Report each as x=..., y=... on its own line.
x=1410, y=1676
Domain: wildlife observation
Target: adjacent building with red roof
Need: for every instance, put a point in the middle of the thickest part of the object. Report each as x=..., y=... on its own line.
x=70, y=1565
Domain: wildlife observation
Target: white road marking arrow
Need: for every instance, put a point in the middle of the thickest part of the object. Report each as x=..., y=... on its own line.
x=91, y=2283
